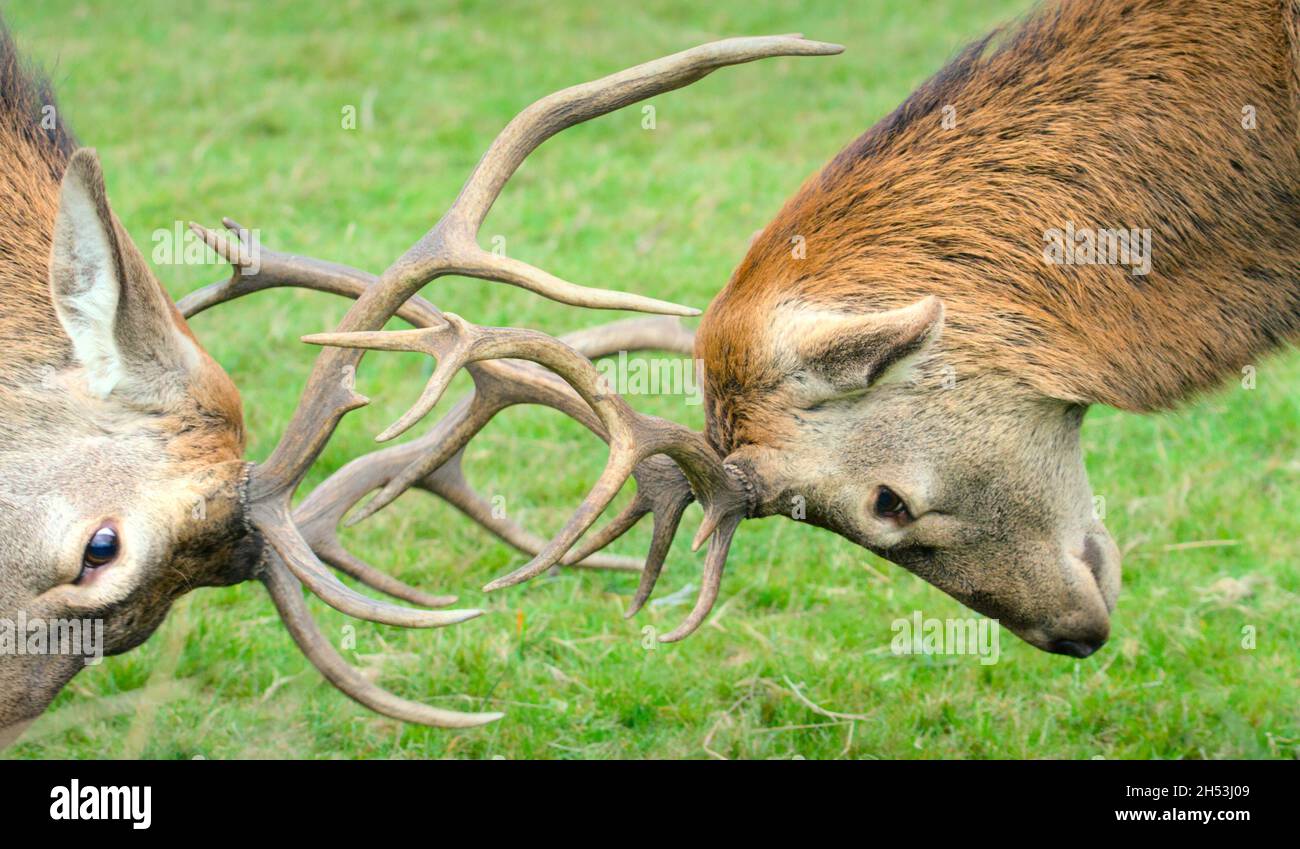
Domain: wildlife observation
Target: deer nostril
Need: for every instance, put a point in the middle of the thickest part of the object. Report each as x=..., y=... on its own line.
x=1076, y=648
x=1093, y=555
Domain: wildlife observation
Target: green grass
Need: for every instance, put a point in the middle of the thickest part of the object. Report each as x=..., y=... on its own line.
x=234, y=108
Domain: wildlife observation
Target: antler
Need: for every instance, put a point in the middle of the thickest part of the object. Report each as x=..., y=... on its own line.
x=450, y=247
x=424, y=464
x=632, y=437
x=319, y=516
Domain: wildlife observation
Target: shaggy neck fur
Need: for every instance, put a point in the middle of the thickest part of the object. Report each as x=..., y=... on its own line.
x=34, y=149
x=1176, y=116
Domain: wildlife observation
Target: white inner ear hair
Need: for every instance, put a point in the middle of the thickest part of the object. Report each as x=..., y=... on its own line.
x=86, y=289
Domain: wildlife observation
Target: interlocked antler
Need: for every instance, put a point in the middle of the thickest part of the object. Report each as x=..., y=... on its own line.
x=632, y=436
x=319, y=516
x=450, y=247
x=661, y=488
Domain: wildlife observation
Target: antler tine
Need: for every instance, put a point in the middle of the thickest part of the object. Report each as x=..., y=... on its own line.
x=665, y=529
x=457, y=342
x=319, y=515
x=720, y=488
x=651, y=333
x=498, y=386
x=287, y=596
x=659, y=489
x=448, y=482
x=662, y=490
x=579, y=103
x=255, y=269
x=711, y=580
x=451, y=245
x=284, y=538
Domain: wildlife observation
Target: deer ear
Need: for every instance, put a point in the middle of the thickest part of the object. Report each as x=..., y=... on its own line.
x=841, y=354
x=119, y=320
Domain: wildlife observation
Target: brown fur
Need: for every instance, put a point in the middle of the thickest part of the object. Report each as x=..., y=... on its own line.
x=32, y=160
x=1105, y=113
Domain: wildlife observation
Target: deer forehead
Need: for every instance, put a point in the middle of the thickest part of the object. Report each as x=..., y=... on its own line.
x=97, y=472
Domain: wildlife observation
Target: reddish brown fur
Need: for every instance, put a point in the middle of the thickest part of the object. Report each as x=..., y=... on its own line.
x=1106, y=113
x=31, y=164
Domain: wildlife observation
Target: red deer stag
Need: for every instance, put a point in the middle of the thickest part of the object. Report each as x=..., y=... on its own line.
x=906, y=354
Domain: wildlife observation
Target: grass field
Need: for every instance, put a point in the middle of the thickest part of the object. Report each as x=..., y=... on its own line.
x=234, y=108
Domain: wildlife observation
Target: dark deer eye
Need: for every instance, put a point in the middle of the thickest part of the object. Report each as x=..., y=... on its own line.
x=890, y=506
x=101, y=550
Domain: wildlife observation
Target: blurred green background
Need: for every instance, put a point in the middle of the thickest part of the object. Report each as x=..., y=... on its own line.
x=235, y=108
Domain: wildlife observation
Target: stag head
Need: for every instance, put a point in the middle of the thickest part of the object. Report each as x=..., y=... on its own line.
x=855, y=421
x=120, y=454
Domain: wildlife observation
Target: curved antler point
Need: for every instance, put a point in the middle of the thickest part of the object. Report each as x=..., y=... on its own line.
x=390, y=433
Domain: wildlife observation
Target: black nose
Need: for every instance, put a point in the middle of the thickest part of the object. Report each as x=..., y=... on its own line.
x=1076, y=648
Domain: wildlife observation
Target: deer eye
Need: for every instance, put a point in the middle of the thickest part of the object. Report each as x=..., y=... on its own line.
x=889, y=505
x=100, y=550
